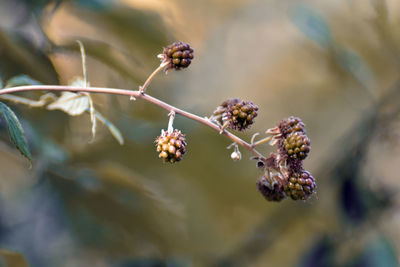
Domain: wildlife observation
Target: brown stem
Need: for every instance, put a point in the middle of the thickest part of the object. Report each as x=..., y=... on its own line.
x=143, y=88
x=134, y=94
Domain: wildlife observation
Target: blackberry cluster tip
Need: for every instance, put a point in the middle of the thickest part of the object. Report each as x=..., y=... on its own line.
x=178, y=55
x=293, y=146
x=236, y=114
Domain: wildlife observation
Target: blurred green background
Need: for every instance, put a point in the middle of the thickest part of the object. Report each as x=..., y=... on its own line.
x=335, y=64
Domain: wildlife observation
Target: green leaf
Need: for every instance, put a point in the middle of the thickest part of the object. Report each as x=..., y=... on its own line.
x=381, y=253
x=22, y=55
x=1, y=84
x=355, y=65
x=21, y=80
x=15, y=130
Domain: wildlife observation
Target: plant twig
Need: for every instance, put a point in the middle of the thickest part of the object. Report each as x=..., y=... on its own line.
x=135, y=94
x=143, y=88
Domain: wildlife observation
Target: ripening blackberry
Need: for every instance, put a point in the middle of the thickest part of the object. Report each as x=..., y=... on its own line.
x=271, y=187
x=237, y=114
x=300, y=186
x=297, y=145
x=171, y=146
x=290, y=125
x=179, y=55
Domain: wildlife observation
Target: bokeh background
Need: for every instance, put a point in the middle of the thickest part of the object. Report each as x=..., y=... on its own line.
x=335, y=64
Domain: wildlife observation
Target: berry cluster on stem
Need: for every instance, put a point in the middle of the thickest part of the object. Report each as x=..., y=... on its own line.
x=284, y=174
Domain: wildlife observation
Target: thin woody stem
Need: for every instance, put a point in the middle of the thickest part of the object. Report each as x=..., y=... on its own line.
x=134, y=94
x=171, y=121
x=143, y=88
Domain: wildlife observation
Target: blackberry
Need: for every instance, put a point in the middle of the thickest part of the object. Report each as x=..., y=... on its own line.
x=297, y=145
x=301, y=185
x=171, y=146
x=179, y=55
x=238, y=114
x=290, y=125
x=272, y=188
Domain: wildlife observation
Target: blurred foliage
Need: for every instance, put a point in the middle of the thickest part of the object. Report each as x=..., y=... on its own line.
x=9, y=258
x=15, y=130
x=332, y=63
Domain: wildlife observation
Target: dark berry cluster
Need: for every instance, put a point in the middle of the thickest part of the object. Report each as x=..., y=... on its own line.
x=179, y=55
x=237, y=114
x=293, y=143
x=290, y=125
x=171, y=146
x=301, y=185
x=293, y=146
x=284, y=174
x=272, y=187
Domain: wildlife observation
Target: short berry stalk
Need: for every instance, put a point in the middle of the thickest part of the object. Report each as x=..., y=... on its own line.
x=171, y=121
x=262, y=141
x=146, y=84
